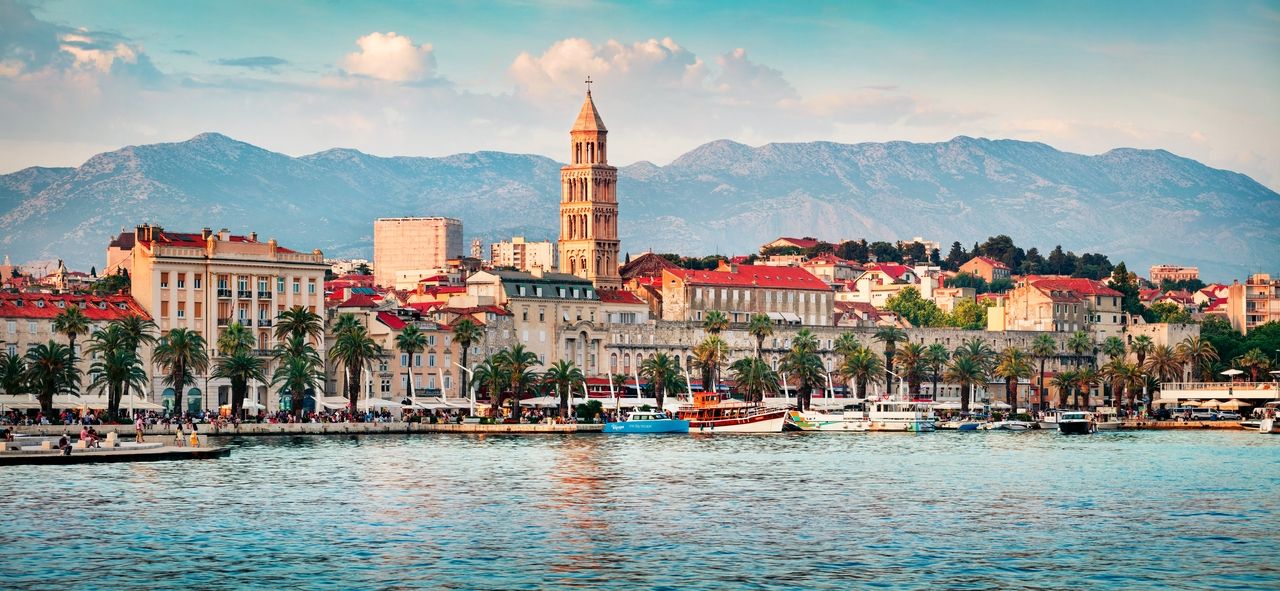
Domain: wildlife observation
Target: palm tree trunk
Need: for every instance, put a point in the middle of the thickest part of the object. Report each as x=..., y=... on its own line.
x=564, y=400
x=179, y=380
x=354, y=390
x=462, y=374
x=296, y=396
x=659, y=392
x=964, y=398
x=1011, y=394
x=515, y=402
x=1040, y=395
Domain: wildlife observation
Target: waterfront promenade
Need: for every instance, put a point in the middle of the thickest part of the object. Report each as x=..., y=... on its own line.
x=394, y=427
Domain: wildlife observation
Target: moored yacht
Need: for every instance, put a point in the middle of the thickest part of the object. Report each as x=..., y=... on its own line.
x=844, y=422
x=710, y=414
x=1075, y=423
x=900, y=415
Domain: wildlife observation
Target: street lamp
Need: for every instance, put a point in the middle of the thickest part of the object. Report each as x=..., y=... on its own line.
x=471, y=386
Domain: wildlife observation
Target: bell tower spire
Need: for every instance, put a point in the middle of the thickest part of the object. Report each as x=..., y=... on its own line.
x=589, y=203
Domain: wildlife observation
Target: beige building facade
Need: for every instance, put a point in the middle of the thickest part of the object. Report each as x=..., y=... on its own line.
x=413, y=244
x=788, y=295
x=1253, y=303
x=523, y=255
x=1173, y=273
x=589, y=203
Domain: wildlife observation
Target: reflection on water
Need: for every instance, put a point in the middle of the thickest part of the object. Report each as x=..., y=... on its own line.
x=1149, y=510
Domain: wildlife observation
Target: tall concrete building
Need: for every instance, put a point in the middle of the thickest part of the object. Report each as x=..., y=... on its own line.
x=413, y=244
x=523, y=255
x=1253, y=303
x=589, y=203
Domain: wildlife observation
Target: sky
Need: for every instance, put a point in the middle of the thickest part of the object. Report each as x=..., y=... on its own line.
x=1200, y=79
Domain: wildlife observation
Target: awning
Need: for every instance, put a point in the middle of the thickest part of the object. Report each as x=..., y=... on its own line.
x=138, y=403
x=947, y=406
x=334, y=402
x=89, y=402
x=1210, y=404
x=377, y=403
x=18, y=402
x=251, y=405
x=776, y=316
x=789, y=317
x=1233, y=404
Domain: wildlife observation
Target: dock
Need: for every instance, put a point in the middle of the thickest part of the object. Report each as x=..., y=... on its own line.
x=109, y=455
x=158, y=433
x=1166, y=425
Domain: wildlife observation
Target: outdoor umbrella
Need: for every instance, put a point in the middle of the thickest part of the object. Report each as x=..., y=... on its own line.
x=1210, y=404
x=1232, y=404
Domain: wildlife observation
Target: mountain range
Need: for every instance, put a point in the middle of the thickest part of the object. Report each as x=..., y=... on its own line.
x=1139, y=206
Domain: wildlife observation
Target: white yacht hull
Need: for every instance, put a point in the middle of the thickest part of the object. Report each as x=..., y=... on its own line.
x=769, y=423
x=824, y=422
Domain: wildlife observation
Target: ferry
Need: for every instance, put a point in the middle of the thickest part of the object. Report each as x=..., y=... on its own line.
x=900, y=415
x=1075, y=423
x=647, y=421
x=710, y=414
x=845, y=422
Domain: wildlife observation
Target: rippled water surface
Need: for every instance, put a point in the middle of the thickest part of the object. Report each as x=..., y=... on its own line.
x=1149, y=510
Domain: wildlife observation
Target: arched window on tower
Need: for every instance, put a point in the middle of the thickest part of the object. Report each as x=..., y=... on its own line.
x=577, y=153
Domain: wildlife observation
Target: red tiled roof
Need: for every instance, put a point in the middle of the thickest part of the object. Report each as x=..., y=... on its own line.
x=442, y=289
x=990, y=261
x=391, y=320
x=646, y=265
x=358, y=301
x=188, y=240
x=618, y=296
x=425, y=307
x=96, y=308
x=1076, y=285
x=755, y=276
x=893, y=270
x=800, y=242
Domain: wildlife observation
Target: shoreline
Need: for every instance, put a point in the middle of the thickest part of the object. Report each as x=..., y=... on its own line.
x=277, y=429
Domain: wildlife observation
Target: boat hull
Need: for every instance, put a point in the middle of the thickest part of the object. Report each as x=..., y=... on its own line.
x=645, y=427
x=826, y=423
x=902, y=426
x=1108, y=425
x=765, y=422
x=1075, y=427
x=1269, y=427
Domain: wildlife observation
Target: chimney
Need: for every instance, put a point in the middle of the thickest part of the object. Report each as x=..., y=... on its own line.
x=224, y=235
x=536, y=271
x=271, y=246
x=253, y=236
x=205, y=233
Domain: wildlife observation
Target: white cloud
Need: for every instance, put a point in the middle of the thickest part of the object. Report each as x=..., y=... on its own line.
x=561, y=69
x=388, y=56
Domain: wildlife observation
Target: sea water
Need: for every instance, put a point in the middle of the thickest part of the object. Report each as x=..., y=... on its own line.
x=976, y=510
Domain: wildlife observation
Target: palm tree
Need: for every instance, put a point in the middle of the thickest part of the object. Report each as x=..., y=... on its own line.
x=846, y=344
x=466, y=333
x=890, y=336
x=1115, y=373
x=804, y=364
x=911, y=365
x=862, y=367
x=237, y=340
x=411, y=341
x=935, y=358
x=13, y=374
x=1042, y=348
x=1164, y=365
x=182, y=353
x=299, y=320
x=239, y=367
x=663, y=373
x=298, y=369
x=140, y=330
x=51, y=370
x=117, y=372
x=1196, y=351
x=1141, y=346
x=708, y=356
x=355, y=350
x=1079, y=343
x=490, y=375
x=1065, y=382
x=518, y=363
x=715, y=322
x=978, y=350
x=1014, y=364
x=760, y=327
x=1112, y=347
x=967, y=371
x=754, y=378
x=1086, y=380
x=72, y=323
x=563, y=375
x=1252, y=362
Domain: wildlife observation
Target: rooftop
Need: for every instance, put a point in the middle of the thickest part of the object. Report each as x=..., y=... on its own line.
x=754, y=276
x=47, y=306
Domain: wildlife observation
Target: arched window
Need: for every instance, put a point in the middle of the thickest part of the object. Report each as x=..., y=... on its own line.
x=613, y=362
x=626, y=363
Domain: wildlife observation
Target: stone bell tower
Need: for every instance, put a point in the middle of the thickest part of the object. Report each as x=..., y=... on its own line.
x=589, y=203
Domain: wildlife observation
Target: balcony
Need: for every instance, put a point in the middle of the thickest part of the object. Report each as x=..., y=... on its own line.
x=246, y=321
x=244, y=294
x=264, y=352
x=224, y=322
x=264, y=322
x=224, y=293
x=264, y=295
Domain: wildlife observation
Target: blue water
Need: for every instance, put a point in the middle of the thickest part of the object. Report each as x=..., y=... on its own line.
x=982, y=510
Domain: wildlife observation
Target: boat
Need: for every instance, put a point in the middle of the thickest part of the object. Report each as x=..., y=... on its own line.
x=900, y=415
x=960, y=425
x=1075, y=423
x=1007, y=426
x=1106, y=421
x=647, y=421
x=1269, y=426
x=1252, y=425
x=1050, y=420
x=709, y=414
x=845, y=422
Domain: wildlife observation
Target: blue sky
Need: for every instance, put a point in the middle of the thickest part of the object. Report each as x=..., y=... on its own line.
x=1201, y=79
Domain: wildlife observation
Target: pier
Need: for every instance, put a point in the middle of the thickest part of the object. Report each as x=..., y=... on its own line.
x=268, y=429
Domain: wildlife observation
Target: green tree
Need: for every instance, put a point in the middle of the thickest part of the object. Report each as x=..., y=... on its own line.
x=708, y=356
x=754, y=378
x=562, y=375
x=967, y=372
x=410, y=342
x=183, y=354
x=356, y=351
x=908, y=304
x=890, y=336
x=518, y=363
x=1253, y=362
x=1141, y=346
x=1167, y=312
x=910, y=360
x=234, y=339
x=804, y=364
x=298, y=369
x=977, y=349
x=13, y=374
x=935, y=358
x=1196, y=351
x=117, y=370
x=1127, y=284
x=1065, y=382
x=662, y=371
x=1163, y=364
x=466, y=333
x=51, y=370
x=298, y=320
x=1086, y=380
x=1043, y=347
x=715, y=322
x=239, y=366
x=862, y=367
x=1014, y=364
x=489, y=374
x=1081, y=345
x=761, y=327
x=72, y=323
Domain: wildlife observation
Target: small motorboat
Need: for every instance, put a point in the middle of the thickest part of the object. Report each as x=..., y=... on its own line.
x=1075, y=423
x=960, y=425
x=647, y=421
x=1007, y=426
x=1269, y=426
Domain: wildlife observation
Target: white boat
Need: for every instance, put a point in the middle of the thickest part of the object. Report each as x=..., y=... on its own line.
x=710, y=414
x=1050, y=420
x=900, y=415
x=1007, y=426
x=1075, y=423
x=960, y=425
x=844, y=422
x=1105, y=421
x=1269, y=426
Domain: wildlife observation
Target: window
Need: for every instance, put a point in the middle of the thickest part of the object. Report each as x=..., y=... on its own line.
x=297, y=287
x=541, y=316
x=431, y=340
x=431, y=360
x=279, y=284
x=182, y=311
x=417, y=359
x=182, y=280
x=447, y=383
x=311, y=288
x=12, y=350
x=164, y=280
x=195, y=282
x=11, y=326
x=386, y=385
x=31, y=327
x=404, y=359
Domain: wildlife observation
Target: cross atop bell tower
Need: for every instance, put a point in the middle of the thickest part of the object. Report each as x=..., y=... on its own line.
x=589, y=203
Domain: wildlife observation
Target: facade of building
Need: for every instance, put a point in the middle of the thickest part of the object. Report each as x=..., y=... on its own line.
x=207, y=281
x=589, y=203
x=1253, y=303
x=788, y=295
x=26, y=320
x=431, y=371
x=413, y=244
x=1173, y=273
x=1059, y=304
x=986, y=268
x=523, y=255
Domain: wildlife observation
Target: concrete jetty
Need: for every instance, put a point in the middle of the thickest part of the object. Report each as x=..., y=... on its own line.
x=159, y=453
x=268, y=429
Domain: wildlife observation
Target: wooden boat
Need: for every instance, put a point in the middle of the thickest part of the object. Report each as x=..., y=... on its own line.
x=709, y=414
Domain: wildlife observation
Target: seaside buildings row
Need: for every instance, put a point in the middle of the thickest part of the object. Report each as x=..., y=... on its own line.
x=577, y=302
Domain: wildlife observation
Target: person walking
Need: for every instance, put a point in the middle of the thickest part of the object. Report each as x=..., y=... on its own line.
x=138, y=426
x=178, y=441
